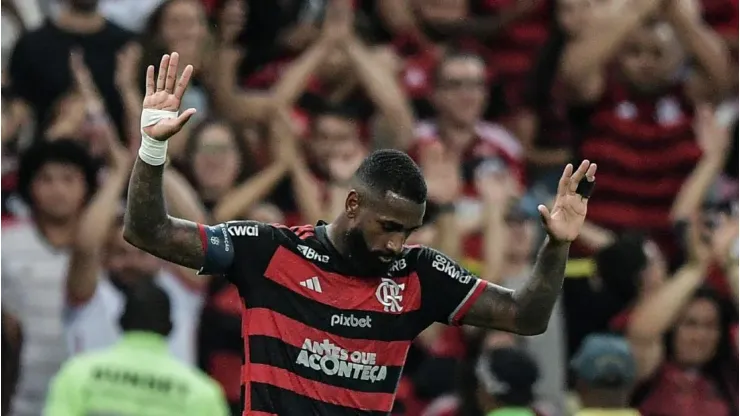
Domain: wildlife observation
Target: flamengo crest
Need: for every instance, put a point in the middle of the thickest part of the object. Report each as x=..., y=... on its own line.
x=389, y=294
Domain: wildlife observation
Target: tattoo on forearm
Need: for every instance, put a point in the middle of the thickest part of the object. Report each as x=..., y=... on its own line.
x=525, y=311
x=148, y=226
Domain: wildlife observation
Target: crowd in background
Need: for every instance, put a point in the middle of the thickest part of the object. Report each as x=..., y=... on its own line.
x=491, y=97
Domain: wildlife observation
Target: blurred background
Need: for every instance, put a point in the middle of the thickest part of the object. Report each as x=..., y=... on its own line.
x=491, y=97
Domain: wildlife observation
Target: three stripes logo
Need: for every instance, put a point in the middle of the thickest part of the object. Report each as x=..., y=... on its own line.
x=312, y=284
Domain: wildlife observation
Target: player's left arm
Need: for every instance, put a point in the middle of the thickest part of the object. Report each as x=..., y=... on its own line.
x=527, y=311
x=452, y=294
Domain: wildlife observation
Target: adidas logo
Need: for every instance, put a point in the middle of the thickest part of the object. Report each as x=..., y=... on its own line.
x=312, y=284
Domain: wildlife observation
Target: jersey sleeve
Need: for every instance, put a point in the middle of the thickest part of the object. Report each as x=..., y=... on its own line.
x=448, y=289
x=227, y=244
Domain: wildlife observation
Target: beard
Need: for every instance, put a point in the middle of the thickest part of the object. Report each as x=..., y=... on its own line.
x=362, y=257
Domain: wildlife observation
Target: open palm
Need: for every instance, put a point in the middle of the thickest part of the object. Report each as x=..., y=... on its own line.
x=564, y=221
x=166, y=95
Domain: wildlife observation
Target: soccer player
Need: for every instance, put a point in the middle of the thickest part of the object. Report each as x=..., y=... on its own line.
x=329, y=311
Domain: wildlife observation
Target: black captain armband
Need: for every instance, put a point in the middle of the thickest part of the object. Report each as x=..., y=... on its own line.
x=585, y=188
x=218, y=249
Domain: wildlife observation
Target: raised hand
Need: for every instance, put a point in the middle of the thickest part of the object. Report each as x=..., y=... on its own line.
x=165, y=94
x=713, y=138
x=564, y=220
x=84, y=83
x=345, y=161
x=127, y=64
x=495, y=185
x=338, y=20
x=442, y=174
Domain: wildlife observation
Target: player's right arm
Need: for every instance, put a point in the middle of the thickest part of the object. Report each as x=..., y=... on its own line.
x=147, y=224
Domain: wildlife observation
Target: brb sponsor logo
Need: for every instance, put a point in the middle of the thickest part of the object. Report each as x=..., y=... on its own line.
x=336, y=361
x=398, y=265
x=446, y=266
x=312, y=254
x=244, y=230
x=351, y=321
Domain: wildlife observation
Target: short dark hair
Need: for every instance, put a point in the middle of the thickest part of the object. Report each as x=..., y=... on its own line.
x=148, y=308
x=65, y=151
x=394, y=171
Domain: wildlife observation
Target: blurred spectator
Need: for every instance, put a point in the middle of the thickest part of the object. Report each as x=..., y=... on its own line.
x=509, y=244
x=12, y=29
x=12, y=343
x=136, y=375
x=628, y=268
x=95, y=303
x=217, y=159
x=605, y=370
x=220, y=344
x=686, y=361
x=180, y=26
x=55, y=180
x=466, y=140
x=628, y=77
x=542, y=123
x=78, y=27
x=506, y=377
x=129, y=14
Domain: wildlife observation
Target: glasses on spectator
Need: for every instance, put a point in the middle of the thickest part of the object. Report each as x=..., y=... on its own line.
x=462, y=83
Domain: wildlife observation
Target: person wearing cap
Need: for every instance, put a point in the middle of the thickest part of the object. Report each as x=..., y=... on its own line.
x=605, y=372
x=506, y=378
x=137, y=376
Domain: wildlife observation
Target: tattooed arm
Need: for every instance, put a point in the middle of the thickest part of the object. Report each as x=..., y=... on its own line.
x=457, y=297
x=525, y=311
x=148, y=227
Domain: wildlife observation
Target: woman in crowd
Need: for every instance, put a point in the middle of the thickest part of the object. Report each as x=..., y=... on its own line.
x=181, y=26
x=687, y=363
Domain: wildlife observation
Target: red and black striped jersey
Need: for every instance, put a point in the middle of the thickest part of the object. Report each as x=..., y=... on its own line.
x=319, y=337
x=646, y=148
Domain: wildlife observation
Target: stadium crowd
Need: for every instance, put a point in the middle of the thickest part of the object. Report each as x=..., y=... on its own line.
x=490, y=97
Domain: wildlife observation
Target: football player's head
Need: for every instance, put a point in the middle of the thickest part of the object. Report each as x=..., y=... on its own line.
x=384, y=206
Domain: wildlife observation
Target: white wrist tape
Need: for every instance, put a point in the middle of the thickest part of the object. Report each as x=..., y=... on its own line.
x=153, y=152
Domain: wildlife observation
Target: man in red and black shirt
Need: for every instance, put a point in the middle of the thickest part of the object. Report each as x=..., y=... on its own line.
x=329, y=311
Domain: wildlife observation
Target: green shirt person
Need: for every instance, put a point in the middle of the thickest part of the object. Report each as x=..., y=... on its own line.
x=137, y=376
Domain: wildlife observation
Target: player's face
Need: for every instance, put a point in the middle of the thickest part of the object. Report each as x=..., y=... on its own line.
x=697, y=334
x=127, y=264
x=650, y=57
x=379, y=228
x=58, y=191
